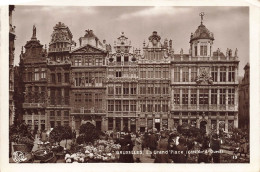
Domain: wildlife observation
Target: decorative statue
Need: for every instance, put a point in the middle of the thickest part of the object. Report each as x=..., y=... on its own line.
x=34, y=31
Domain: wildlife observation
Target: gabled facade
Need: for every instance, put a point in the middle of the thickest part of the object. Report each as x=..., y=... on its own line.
x=88, y=90
x=154, y=84
x=33, y=67
x=122, y=81
x=58, y=76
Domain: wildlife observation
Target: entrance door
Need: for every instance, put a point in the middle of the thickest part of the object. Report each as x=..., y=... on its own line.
x=133, y=128
x=203, y=126
x=157, y=126
x=98, y=125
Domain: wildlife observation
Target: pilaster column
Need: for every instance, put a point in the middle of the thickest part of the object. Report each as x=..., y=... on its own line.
x=217, y=122
x=236, y=73
x=218, y=78
x=122, y=125
x=181, y=96
x=146, y=129
x=209, y=122
x=129, y=124
x=198, y=98
x=226, y=121
x=209, y=96
x=180, y=73
x=226, y=98
x=226, y=73
x=218, y=99
x=189, y=96
x=172, y=75
x=114, y=123
x=180, y=117
x=236, y=120
x=172, y=98
x=189, y=74
x=189, y=114
x=197, y=120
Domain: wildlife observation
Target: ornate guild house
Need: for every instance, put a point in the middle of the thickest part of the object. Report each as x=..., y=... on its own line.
x=125, y=89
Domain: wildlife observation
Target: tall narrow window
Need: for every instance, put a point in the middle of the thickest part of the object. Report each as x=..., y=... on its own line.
x=118, y=90
x=88, y=100
x=132, y=105
x=110, y=90
x=59, y=77
x=214, y=96
x=111, y=105
x=222, y=96
x=149, y=106
x=184, y=96
x=176, y=74
x=214, y=73
x=193, y=97
x=196, y=50
x=203, y=96
x=231, y=96
x=126, y=89
x=66, y=96
x=125, y=105
x=43, y=73
x=53, y=79
x=203, y=50
x=185, y=74
x=77, y=79
x=58, y=96
x=36, y=74
x=231, y=74
x=222, y=74
x=164, y=106
x=176, y=97
x=67, y=77
x=29, y=76
x=143, y=106
x=118, y=105
x=193, y=74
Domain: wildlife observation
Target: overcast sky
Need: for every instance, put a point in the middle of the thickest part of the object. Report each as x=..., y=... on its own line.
x=230, y=25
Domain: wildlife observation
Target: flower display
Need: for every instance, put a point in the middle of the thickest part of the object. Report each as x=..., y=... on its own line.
x=100, y=151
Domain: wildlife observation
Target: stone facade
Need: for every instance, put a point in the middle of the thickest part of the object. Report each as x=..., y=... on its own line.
x=124, y=89
x=11, y=65
x=244, y=99
x=33, y=68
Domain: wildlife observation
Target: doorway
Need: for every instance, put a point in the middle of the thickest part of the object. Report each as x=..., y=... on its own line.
x=98, y=125
x=203, y=126
x=157, y=126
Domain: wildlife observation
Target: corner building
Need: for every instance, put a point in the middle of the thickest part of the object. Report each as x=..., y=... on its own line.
x=204, y=85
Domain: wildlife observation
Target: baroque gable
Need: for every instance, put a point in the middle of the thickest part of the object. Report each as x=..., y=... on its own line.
x=88, y=49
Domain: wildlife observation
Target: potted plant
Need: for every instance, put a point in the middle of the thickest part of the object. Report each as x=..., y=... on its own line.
x=21, y=137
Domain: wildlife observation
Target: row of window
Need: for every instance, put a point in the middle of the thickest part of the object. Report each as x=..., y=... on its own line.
x=154, y=106
x=125, y=89
x=204, y=96
x=57, y=78
x=58, y=113
x=126, y=73
x=88, y=79
x=203, y=50
x=154, y=73
x=90, y=100
x=214, y=73
x=154, y=89
x=38, y=74
x=122, y=105
x=154, y=55
x=56, y=96
x=89, y=62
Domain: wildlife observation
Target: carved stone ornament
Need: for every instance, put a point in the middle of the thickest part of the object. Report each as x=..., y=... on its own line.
x=204, y=77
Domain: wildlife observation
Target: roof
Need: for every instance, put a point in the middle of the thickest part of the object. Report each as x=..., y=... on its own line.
x=202, y=33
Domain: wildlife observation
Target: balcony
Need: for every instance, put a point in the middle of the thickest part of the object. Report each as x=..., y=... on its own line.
x=204, y=107
x=122, y=63
x=33, y=105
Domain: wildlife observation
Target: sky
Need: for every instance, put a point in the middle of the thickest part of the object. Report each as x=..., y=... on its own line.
x=230, y=25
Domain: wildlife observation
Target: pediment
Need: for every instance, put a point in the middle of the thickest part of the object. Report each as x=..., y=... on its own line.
x=88, y=49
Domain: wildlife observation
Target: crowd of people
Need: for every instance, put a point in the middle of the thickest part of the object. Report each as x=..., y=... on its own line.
x=168, y=147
